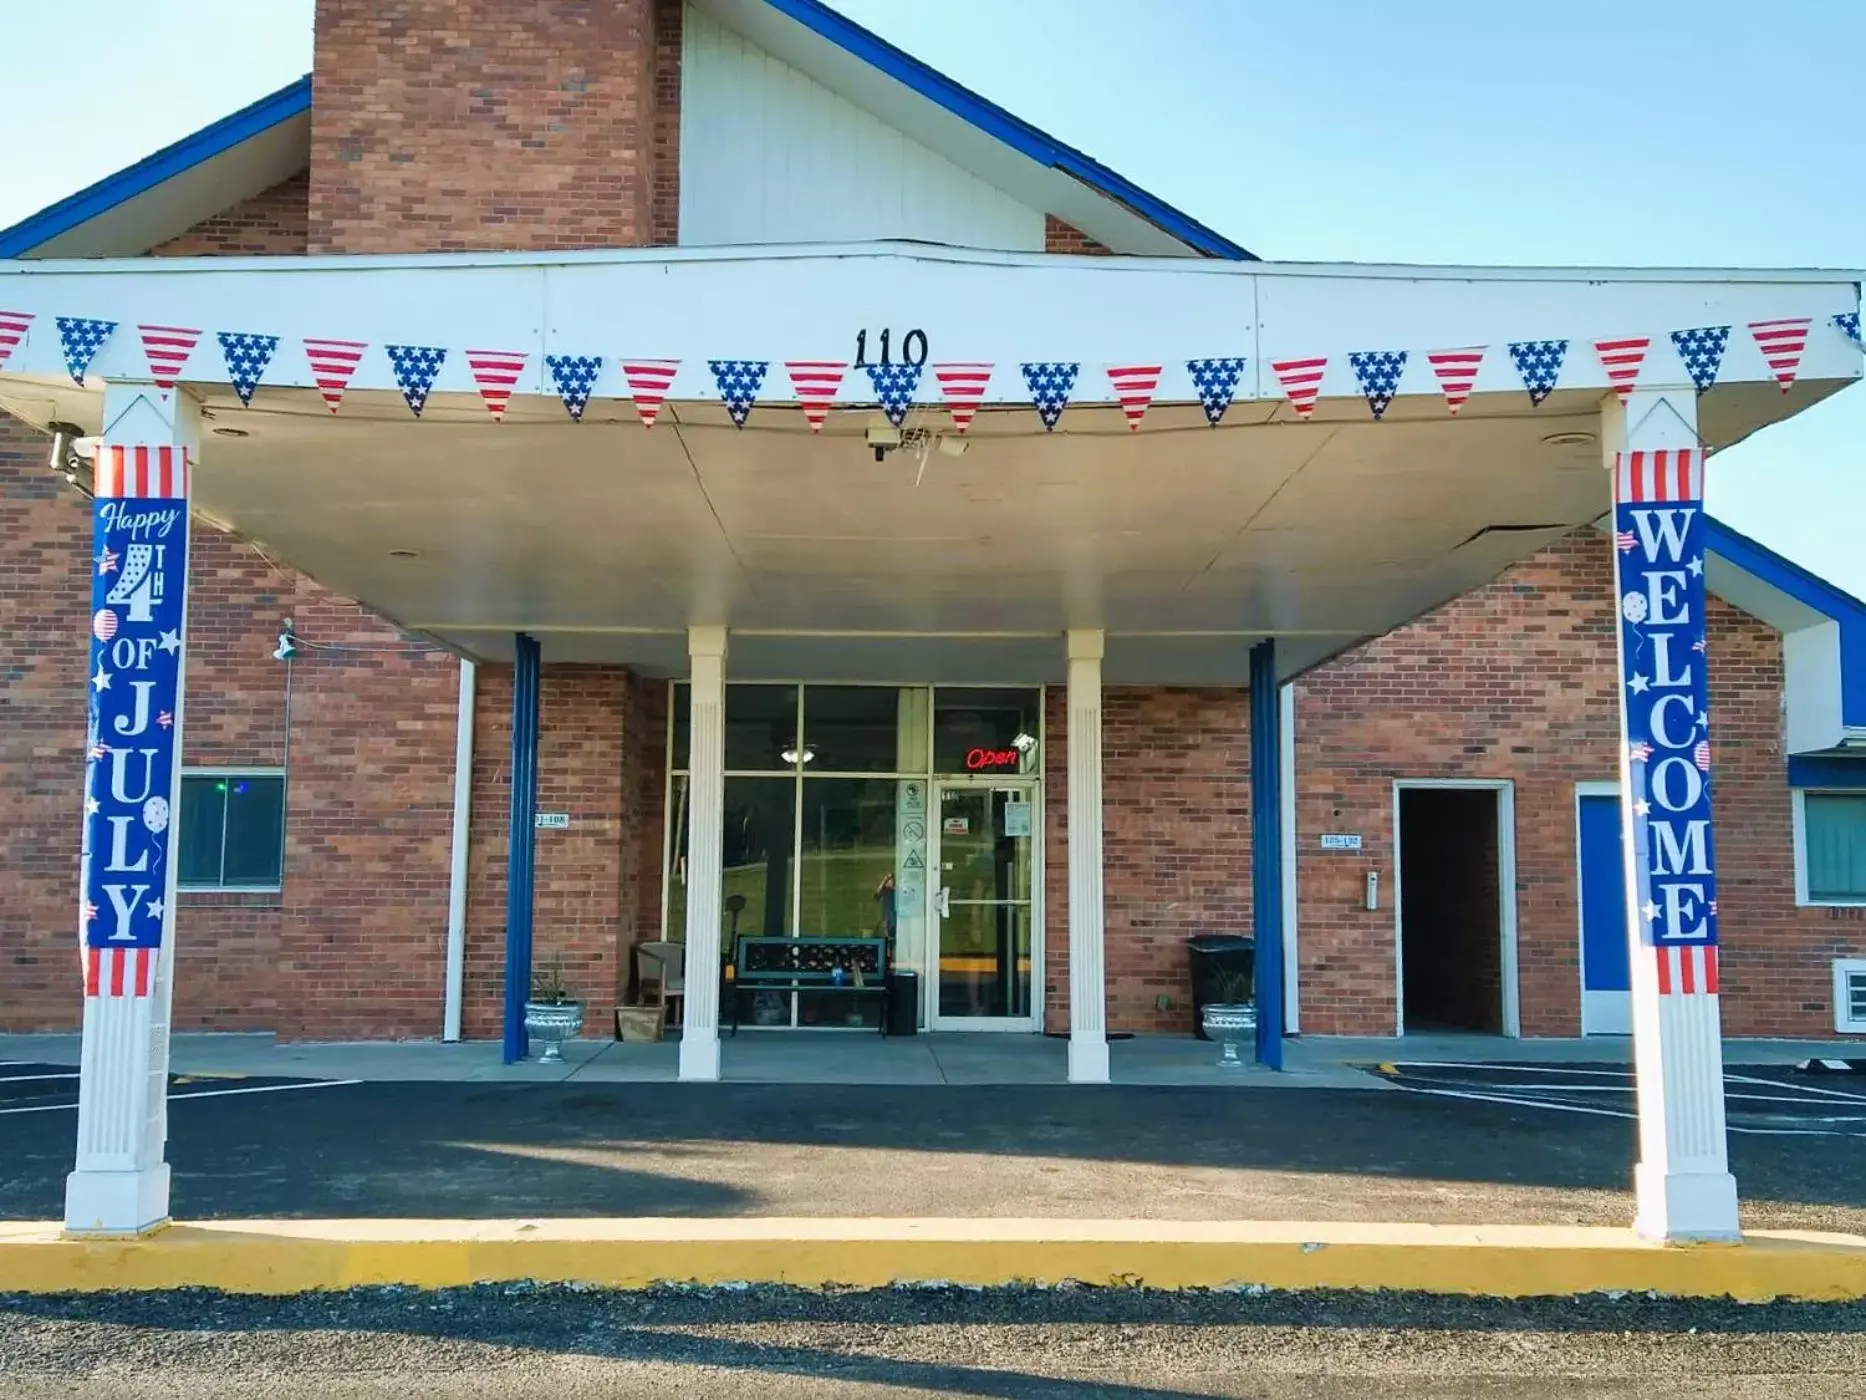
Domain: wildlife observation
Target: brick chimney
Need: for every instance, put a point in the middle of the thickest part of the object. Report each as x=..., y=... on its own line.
x=494, y=124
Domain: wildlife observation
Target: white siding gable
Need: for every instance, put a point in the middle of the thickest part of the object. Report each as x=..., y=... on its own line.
x=768, y=155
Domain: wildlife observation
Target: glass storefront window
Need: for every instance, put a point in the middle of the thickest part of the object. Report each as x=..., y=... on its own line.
x=846, y=880
x=853, y=728
x=986, y=732
x=761, y=728
x=759, y=838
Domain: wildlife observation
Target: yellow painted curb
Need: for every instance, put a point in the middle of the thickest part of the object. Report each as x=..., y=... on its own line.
x=291, y=1256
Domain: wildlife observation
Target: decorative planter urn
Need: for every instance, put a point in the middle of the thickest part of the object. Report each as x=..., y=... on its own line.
x=1228, y=1023
x=551, y=1023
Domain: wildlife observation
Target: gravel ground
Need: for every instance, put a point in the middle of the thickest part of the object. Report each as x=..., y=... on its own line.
x=902, y=1344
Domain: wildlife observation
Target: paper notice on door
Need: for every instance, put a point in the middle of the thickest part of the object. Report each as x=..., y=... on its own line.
x=1017, y=819
x=957, y=826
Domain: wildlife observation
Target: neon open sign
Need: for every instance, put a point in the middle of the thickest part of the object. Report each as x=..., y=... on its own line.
x=984, y=760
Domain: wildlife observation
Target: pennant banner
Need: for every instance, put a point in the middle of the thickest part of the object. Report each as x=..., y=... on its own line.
x=1216, y=381
x=575, y=377
x=1849, y=323
x=496, y=372
x=1457, y=373
x=1702, y=352
x=1379, y=374
x=815, y=384
x=332, y=363
x=81, y=340
x=895, y=386
x=247, y=357
x=167, y=349
x=1050, y=383
x=13, y=328
x=739, y=382
x=963, y=382
x=1621, y=359
x=1781, y=343
x=415, y=367
x=1301, y=381
x=648, y=381
x=1134, y=386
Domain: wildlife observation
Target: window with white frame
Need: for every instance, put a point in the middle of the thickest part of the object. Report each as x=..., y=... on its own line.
x=1830, y=846
x=231, y=833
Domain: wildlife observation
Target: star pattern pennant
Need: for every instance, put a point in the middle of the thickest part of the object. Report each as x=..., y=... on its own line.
x=1849, y=324
x=895, y=386
x=575, y=377
x=1134, y=387
x=1539, y=363
x=1621, y=359
x=1379, y=374
x=816, y=384
x=416, y=367
x=739, y=382
x=963, y=382
x=1301, y=381
x=1050, y=383
x=1457, y=373
x=332, y=363
x=1215, y=381
x=167, y=349
x=13, y=328
x=1781, y=343
x=1701, y=350
x=247, y=356
x=496, y=372
x=648, y=382
x=81, y=339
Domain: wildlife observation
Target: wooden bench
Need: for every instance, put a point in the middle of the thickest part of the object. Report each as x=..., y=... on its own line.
x=858, y=966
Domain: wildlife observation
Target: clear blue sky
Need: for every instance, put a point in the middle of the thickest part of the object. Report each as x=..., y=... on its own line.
x=1713, y=133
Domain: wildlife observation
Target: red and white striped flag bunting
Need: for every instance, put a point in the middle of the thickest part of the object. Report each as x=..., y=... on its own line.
x=13, y=328
x=118, y=972
x=1302, y=382
x=1457, y=373
x=1688, y=970
x=332, y=364
x=140, y=471
x=496, y=372
x=1622, y=360
x=1134, y=386
x=648, y=382
x=1781, y=343
x=167, y=349
x=815, y=383
x=963, y=382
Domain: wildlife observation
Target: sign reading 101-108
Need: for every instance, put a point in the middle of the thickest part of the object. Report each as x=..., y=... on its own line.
x=913, y=349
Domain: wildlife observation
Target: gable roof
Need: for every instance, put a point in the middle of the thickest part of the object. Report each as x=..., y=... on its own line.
x=260, y=145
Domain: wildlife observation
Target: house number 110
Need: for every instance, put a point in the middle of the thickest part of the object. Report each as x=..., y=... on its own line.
x=913, y=349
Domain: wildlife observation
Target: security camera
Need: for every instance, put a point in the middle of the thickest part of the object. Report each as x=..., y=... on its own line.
x=288, y=644
x=71, y=451
x=883, y=440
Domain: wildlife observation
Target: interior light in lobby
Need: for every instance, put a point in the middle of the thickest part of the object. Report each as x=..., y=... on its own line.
x=794, y=756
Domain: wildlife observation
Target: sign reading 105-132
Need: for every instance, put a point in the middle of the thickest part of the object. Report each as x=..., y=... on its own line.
x=139, y=573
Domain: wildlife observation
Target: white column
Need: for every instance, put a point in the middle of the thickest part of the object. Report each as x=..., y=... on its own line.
x=1088, y=992
x=120, y=1185
x=706, y=797
x=1683, y=1183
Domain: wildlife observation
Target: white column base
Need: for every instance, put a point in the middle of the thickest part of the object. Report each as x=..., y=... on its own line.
x=699, y=1054
x=1088, y=1059
x=117, y=1203
x=1684, y=1206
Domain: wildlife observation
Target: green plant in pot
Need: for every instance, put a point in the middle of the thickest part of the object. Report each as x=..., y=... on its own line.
x=553, y=1015
x=1232, y=1016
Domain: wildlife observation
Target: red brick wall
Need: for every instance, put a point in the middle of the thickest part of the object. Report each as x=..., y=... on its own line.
x=478, y=124
x=1059, y=237
x=274, y=221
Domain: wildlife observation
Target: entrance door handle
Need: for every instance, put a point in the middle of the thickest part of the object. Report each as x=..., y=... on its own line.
x=943, y=902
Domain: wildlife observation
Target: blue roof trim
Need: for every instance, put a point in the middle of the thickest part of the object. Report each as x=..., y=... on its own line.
x=165, y=164
x=1813, y=591
x=994, y=121
x=1827, y=772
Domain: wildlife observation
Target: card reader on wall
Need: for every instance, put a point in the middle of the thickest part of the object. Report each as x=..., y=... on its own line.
x=1373, y=889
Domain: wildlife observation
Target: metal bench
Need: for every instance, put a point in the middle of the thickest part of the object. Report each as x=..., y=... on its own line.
x=858, y=966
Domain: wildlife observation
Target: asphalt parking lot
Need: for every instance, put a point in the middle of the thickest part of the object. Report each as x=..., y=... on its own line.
x=1453, y=1150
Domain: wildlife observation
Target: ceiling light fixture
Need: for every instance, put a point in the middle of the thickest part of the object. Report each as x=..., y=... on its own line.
x=1568, y=439
x=404, y=554
x=793, y=755
x=231, y=432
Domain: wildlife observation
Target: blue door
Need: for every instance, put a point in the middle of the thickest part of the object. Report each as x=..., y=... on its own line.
x=1606, y=982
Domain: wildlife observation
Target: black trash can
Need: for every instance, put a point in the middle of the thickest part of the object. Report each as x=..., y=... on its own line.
x=903, y=1003
x=1212, y=954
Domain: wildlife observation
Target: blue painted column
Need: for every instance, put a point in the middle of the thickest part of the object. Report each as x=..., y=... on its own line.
x=520, y=862
x=1266, y=849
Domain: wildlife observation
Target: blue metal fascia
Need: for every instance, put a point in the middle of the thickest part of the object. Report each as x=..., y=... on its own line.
x=1816, y=771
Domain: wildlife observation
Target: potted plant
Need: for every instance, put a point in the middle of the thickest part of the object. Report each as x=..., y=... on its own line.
x=552, y=1016
x=1232, y=1016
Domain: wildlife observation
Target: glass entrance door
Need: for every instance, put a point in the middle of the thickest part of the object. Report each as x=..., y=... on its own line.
x=984, y=906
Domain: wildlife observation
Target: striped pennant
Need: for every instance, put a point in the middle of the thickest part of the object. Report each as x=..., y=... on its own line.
x=1687, y=971
x=648, y=382
x=1781, y=343
x=496, y=372
x=1301, y=381
x=1669, y=474
x=1622, y=360
x=13, y=328
x=963, y=382
x=815, y=384
x=137, y=471
x=1134, y=386
x=1457, y=373
x=167, y=349
x=332, y=364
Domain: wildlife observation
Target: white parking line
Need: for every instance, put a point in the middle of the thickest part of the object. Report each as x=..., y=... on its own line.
x=31, y=1078
x=205, y=1094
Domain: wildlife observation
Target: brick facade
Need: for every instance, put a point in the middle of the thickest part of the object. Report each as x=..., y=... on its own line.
x=275, y=221
x=1060, y=237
